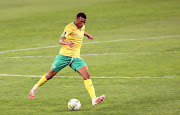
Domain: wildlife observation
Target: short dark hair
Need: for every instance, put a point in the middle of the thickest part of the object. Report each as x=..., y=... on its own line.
x=81, y=15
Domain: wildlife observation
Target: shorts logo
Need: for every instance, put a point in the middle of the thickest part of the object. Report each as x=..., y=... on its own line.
x=77, y=33
x=54, y=66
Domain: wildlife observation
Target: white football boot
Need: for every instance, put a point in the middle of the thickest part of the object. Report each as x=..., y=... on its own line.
x=33, y=92
x=97, y=100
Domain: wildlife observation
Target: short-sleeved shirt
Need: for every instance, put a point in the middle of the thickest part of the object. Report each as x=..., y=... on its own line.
x=72, y=34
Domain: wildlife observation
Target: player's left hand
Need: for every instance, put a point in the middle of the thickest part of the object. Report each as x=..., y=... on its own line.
x=90, y=37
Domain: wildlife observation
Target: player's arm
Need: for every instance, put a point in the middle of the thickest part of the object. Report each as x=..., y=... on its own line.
x=63, y=42
x=88, y=35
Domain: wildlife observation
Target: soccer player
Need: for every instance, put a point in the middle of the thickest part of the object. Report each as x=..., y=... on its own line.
x=69, y=54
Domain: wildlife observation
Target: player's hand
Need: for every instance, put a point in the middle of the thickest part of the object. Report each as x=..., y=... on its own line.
x=71, y=44
x=90, y=37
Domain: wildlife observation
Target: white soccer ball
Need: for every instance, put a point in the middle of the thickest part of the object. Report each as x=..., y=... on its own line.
x=74, y=104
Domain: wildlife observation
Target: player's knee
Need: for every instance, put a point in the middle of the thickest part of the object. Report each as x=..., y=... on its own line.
x=49, y=76
x=87, y=76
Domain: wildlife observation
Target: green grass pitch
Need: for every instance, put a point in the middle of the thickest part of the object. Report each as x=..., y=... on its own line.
x=136, y=48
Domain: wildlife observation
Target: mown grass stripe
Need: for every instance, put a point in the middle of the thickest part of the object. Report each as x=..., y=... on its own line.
x=100, y=77
x=119, y=40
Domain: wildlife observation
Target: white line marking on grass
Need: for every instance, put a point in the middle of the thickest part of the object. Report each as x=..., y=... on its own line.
x=29, y=56
x=95, y=54
x=92, y=43
x=133, y=39
x=100, y=77
x=128, y=53
x=29, y=49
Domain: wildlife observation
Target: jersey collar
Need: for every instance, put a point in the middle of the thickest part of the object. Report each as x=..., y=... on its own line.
x=76, y=26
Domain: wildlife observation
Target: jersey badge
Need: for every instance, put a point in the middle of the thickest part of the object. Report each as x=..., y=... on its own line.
x=64, y=33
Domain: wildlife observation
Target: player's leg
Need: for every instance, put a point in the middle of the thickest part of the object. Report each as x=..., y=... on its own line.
x=80, y=66
x=43, y=79
x=46, y=77
x=87, y=81
x=84, y=72
x=89, y=86
x=59, y=63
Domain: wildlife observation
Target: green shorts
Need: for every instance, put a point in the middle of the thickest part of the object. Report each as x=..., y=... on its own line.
x=62, y=61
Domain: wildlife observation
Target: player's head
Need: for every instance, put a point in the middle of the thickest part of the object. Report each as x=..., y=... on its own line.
x=80, y=19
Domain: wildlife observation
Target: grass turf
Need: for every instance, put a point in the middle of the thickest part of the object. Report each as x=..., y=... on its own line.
x=123, y=96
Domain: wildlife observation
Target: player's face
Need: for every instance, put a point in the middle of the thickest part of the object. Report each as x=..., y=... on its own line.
x=80, y=22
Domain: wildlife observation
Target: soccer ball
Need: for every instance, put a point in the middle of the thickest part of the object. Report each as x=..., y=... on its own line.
x=74, y=104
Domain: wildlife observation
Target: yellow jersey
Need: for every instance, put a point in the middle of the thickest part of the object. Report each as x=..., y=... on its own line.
x=72, y=34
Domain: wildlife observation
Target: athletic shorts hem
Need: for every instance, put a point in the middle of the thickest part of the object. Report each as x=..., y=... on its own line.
x=79, y=67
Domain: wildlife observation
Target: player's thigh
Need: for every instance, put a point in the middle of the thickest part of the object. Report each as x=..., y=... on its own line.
x=84, y=72
x=60, y=62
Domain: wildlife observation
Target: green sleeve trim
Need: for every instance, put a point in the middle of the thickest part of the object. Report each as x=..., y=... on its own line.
x=62, y=36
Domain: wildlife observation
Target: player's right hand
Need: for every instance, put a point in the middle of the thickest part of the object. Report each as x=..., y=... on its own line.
x=71, y=44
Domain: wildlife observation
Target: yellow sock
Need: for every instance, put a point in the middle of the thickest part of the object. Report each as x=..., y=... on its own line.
x=90, y=88
x=41, y=81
